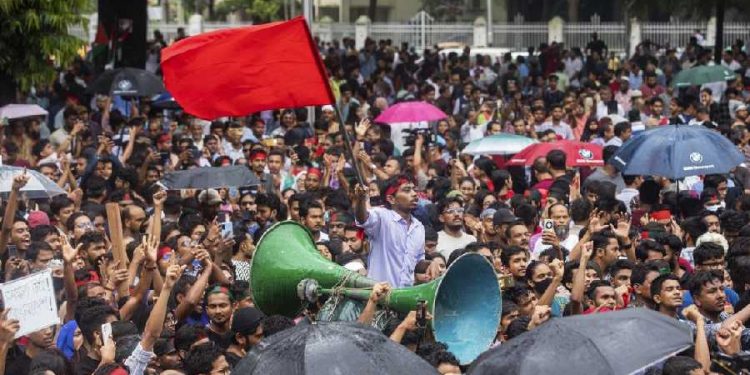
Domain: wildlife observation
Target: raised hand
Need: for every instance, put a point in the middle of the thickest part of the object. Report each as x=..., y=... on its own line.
x=8, y=328
x=69, y=253
x=159, y=198
x=379, y=291
x=586, y=251
x=19, y=181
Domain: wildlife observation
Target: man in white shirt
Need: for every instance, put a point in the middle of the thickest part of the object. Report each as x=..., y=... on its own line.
x=606, y=105
x=557, y=124
x=452, y=236
x=630, y=192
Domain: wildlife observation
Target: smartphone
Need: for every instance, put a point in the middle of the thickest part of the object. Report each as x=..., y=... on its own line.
x=421, y=313
x=106, y=333
x=548, y=224
x=164, y=156
x=12, y=251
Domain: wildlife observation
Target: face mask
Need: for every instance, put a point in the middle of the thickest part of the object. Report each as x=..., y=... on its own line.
x=541, y=286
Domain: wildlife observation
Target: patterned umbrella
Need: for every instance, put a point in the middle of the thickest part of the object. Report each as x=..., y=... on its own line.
x=500, y=144
x=579, y=154
x=38, y=187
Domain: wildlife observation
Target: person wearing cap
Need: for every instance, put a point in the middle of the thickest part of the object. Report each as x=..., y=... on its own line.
x=453, y=236
x=501, y=219
x=740, y=115
x=488, y=232
x=624, y=94
x=247, y=331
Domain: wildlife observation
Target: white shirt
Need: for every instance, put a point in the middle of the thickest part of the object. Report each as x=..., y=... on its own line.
x=446, y=243
x=569, y=243
x=626, y=196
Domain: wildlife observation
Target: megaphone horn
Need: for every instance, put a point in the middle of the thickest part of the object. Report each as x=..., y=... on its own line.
x=465, y=302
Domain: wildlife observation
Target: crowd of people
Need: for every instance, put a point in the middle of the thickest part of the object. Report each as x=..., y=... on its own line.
x=563, y=241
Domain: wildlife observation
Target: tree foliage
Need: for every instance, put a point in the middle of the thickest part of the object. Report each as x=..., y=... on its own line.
x=34, y=37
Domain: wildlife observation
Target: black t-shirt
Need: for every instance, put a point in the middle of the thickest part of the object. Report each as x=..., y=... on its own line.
x=221, y=340
x=86, y=365
x=232, y=359
x=17, y=361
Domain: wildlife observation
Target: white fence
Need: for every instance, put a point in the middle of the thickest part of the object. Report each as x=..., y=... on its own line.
x=515, y=35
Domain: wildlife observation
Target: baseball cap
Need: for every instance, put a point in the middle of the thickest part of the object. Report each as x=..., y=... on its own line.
x=246, y=320
x=503, y=216
x=209, y=196
x=487, y=213
x=740, y=107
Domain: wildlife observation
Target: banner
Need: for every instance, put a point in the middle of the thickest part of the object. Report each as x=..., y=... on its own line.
x=31, y=301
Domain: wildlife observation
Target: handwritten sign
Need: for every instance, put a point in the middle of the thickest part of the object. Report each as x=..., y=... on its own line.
x=31, y=301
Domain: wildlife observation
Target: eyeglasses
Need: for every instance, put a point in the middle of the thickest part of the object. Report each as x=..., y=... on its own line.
x=455, y=211
x=84, y=225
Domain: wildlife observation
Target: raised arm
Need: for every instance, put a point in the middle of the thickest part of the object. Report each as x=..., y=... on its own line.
x=579, y=280
x=361, y=203
x=69, y=279
x=19, y=182
x=379, y=291
x=155, y=322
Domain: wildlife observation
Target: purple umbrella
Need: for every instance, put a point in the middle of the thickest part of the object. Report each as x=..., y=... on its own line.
x=411, y=112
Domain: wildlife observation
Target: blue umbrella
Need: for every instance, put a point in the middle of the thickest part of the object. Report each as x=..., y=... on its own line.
x=677, y=151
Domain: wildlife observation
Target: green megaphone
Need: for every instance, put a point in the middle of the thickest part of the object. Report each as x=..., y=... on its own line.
x=465, y=303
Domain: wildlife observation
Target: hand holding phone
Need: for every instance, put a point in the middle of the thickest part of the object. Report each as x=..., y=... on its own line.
x=106, y=333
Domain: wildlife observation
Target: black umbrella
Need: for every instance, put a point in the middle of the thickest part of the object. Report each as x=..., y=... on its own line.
x=620, y=342
x=210, y=177
x=127, y=82
x=331, y=348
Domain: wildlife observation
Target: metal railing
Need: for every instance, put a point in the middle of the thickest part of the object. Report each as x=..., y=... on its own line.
x=516, y=35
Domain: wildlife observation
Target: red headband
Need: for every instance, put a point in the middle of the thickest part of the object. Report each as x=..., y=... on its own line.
x=661, y=215
x=391, y=190
x=315, y=171
x=258, y=154
x=360, y=234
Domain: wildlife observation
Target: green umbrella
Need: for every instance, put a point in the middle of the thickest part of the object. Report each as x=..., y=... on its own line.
x=702, y=74
x=500, y=144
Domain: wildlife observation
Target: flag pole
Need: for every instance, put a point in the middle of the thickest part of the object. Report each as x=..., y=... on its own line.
x=348, y=147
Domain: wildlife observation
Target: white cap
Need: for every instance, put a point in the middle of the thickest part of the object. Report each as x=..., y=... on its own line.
x=354, y=266
x=327, y=107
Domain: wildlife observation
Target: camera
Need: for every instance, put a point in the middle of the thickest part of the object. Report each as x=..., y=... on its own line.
x=411, y=138
x=548, y=224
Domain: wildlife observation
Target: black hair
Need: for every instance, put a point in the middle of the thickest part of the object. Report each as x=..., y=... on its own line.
x=680, y=365
x=188, y=334
x=40, y=232
x=200, y=358
x=641, y=251
x=591, y=291
x=90, y=238
x=556, y=160
x=275, y=324
x=35, y=248
x=510, y=252
x=271, y=201
x=707, y=251
x=580, y=210
x=601, y=239
x=732, y=221
x=694, y=227
x=447, y=202
x=517, y=327
x=620, y=264
x=659, y=281
x=306, y=206
x=59, y=202
x=91, y=313
x=640, y=271
x=53, y=360
x=700, y=279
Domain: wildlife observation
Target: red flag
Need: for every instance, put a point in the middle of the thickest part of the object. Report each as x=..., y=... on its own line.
x=236, y=72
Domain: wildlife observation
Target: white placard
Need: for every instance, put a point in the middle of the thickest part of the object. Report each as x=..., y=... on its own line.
x=31, y=300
